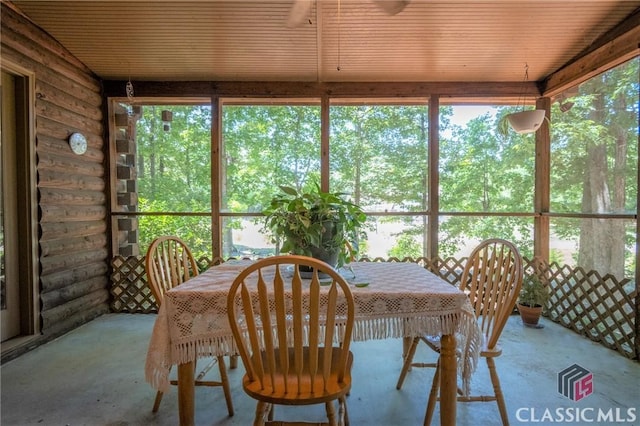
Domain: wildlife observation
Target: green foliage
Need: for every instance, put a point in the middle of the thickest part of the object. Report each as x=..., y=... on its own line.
x=266, y=146
x=379, y=154
x=533, y=292
x=555, y=256
x=300, y=221
x=406, y=246
x=195, y=231
x=174, y=166
x=480, y=171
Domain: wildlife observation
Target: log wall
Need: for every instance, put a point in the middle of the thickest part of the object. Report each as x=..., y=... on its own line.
x=72, y=206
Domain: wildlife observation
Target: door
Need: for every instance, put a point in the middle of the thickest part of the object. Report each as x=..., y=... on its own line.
x=19, y=295
x=10, y=290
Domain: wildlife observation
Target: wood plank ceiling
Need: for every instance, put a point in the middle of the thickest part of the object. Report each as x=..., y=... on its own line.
x=427, y=41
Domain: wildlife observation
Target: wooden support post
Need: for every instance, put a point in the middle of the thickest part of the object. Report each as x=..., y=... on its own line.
x=542, y=184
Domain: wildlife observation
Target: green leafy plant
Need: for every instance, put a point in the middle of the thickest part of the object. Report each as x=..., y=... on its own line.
x=534, y=293
x=316, y=223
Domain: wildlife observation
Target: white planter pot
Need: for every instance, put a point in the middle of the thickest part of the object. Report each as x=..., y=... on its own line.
x=526, y=121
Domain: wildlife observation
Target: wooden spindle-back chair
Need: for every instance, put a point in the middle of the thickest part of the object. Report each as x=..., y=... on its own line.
x=169, y=263
x=492, y=277
x=293, y=335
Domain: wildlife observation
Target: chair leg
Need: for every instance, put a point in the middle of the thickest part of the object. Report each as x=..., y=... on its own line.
x=497, y=391
x=156, y=403
x=343, y=406
x=233, y=361
x=408, y=359
x=331, y=413
x=225, y=384
x=272, y=411
x=262, y=410
x=433, y=396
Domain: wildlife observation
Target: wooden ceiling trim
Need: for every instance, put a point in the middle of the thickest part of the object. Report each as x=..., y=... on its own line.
x=265, y=89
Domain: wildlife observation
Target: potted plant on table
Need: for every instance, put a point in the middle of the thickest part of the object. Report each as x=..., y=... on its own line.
x=319, y=224
x=533, y=297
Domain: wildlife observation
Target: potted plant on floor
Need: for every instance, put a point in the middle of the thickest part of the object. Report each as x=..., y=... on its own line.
x=533, y=297
x=315, y=223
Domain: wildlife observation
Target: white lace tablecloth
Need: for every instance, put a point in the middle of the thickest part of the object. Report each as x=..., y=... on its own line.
x=400, y=300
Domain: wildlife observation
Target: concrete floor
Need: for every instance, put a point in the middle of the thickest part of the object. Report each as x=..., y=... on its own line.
x=94, y=376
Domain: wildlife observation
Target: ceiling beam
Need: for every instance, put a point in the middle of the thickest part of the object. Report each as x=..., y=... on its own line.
x=614, y=48
x=260, y=89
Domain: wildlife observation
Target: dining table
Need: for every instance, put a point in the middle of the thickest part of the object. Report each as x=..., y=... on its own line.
x=392, y=300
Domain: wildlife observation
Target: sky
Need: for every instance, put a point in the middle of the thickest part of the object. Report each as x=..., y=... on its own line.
x=463, y=113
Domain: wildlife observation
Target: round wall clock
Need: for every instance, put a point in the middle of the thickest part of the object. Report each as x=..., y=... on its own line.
x=78, y=143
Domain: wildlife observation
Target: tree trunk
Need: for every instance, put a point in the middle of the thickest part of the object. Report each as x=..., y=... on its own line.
x=619, y=192
x=602, y=240
x=595, y=233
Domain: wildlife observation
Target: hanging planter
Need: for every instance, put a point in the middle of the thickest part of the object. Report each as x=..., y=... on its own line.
x=527, y=121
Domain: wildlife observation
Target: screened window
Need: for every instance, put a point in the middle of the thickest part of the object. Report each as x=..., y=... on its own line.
x=594, y=144
x=594, y=175
x=162, y=179
x=481, y=168
x=173, y=158
x=486, y=175
x=263, y=147
x=379, y=156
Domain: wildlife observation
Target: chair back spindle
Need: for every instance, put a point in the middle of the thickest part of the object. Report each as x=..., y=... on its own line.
x=493, y=277
x=169, y=263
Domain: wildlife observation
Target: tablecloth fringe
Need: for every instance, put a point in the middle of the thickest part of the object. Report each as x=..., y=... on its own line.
x=156, y=372
x=388, y=328
x=203, y=347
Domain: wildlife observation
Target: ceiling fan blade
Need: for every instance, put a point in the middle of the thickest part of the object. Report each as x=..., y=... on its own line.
x=391, y=7
x=299, y=13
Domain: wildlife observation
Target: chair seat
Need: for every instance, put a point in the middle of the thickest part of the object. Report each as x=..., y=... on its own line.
x=489, y=353
x=274, y=390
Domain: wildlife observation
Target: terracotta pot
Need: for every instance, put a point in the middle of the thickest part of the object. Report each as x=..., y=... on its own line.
x=530, y=316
